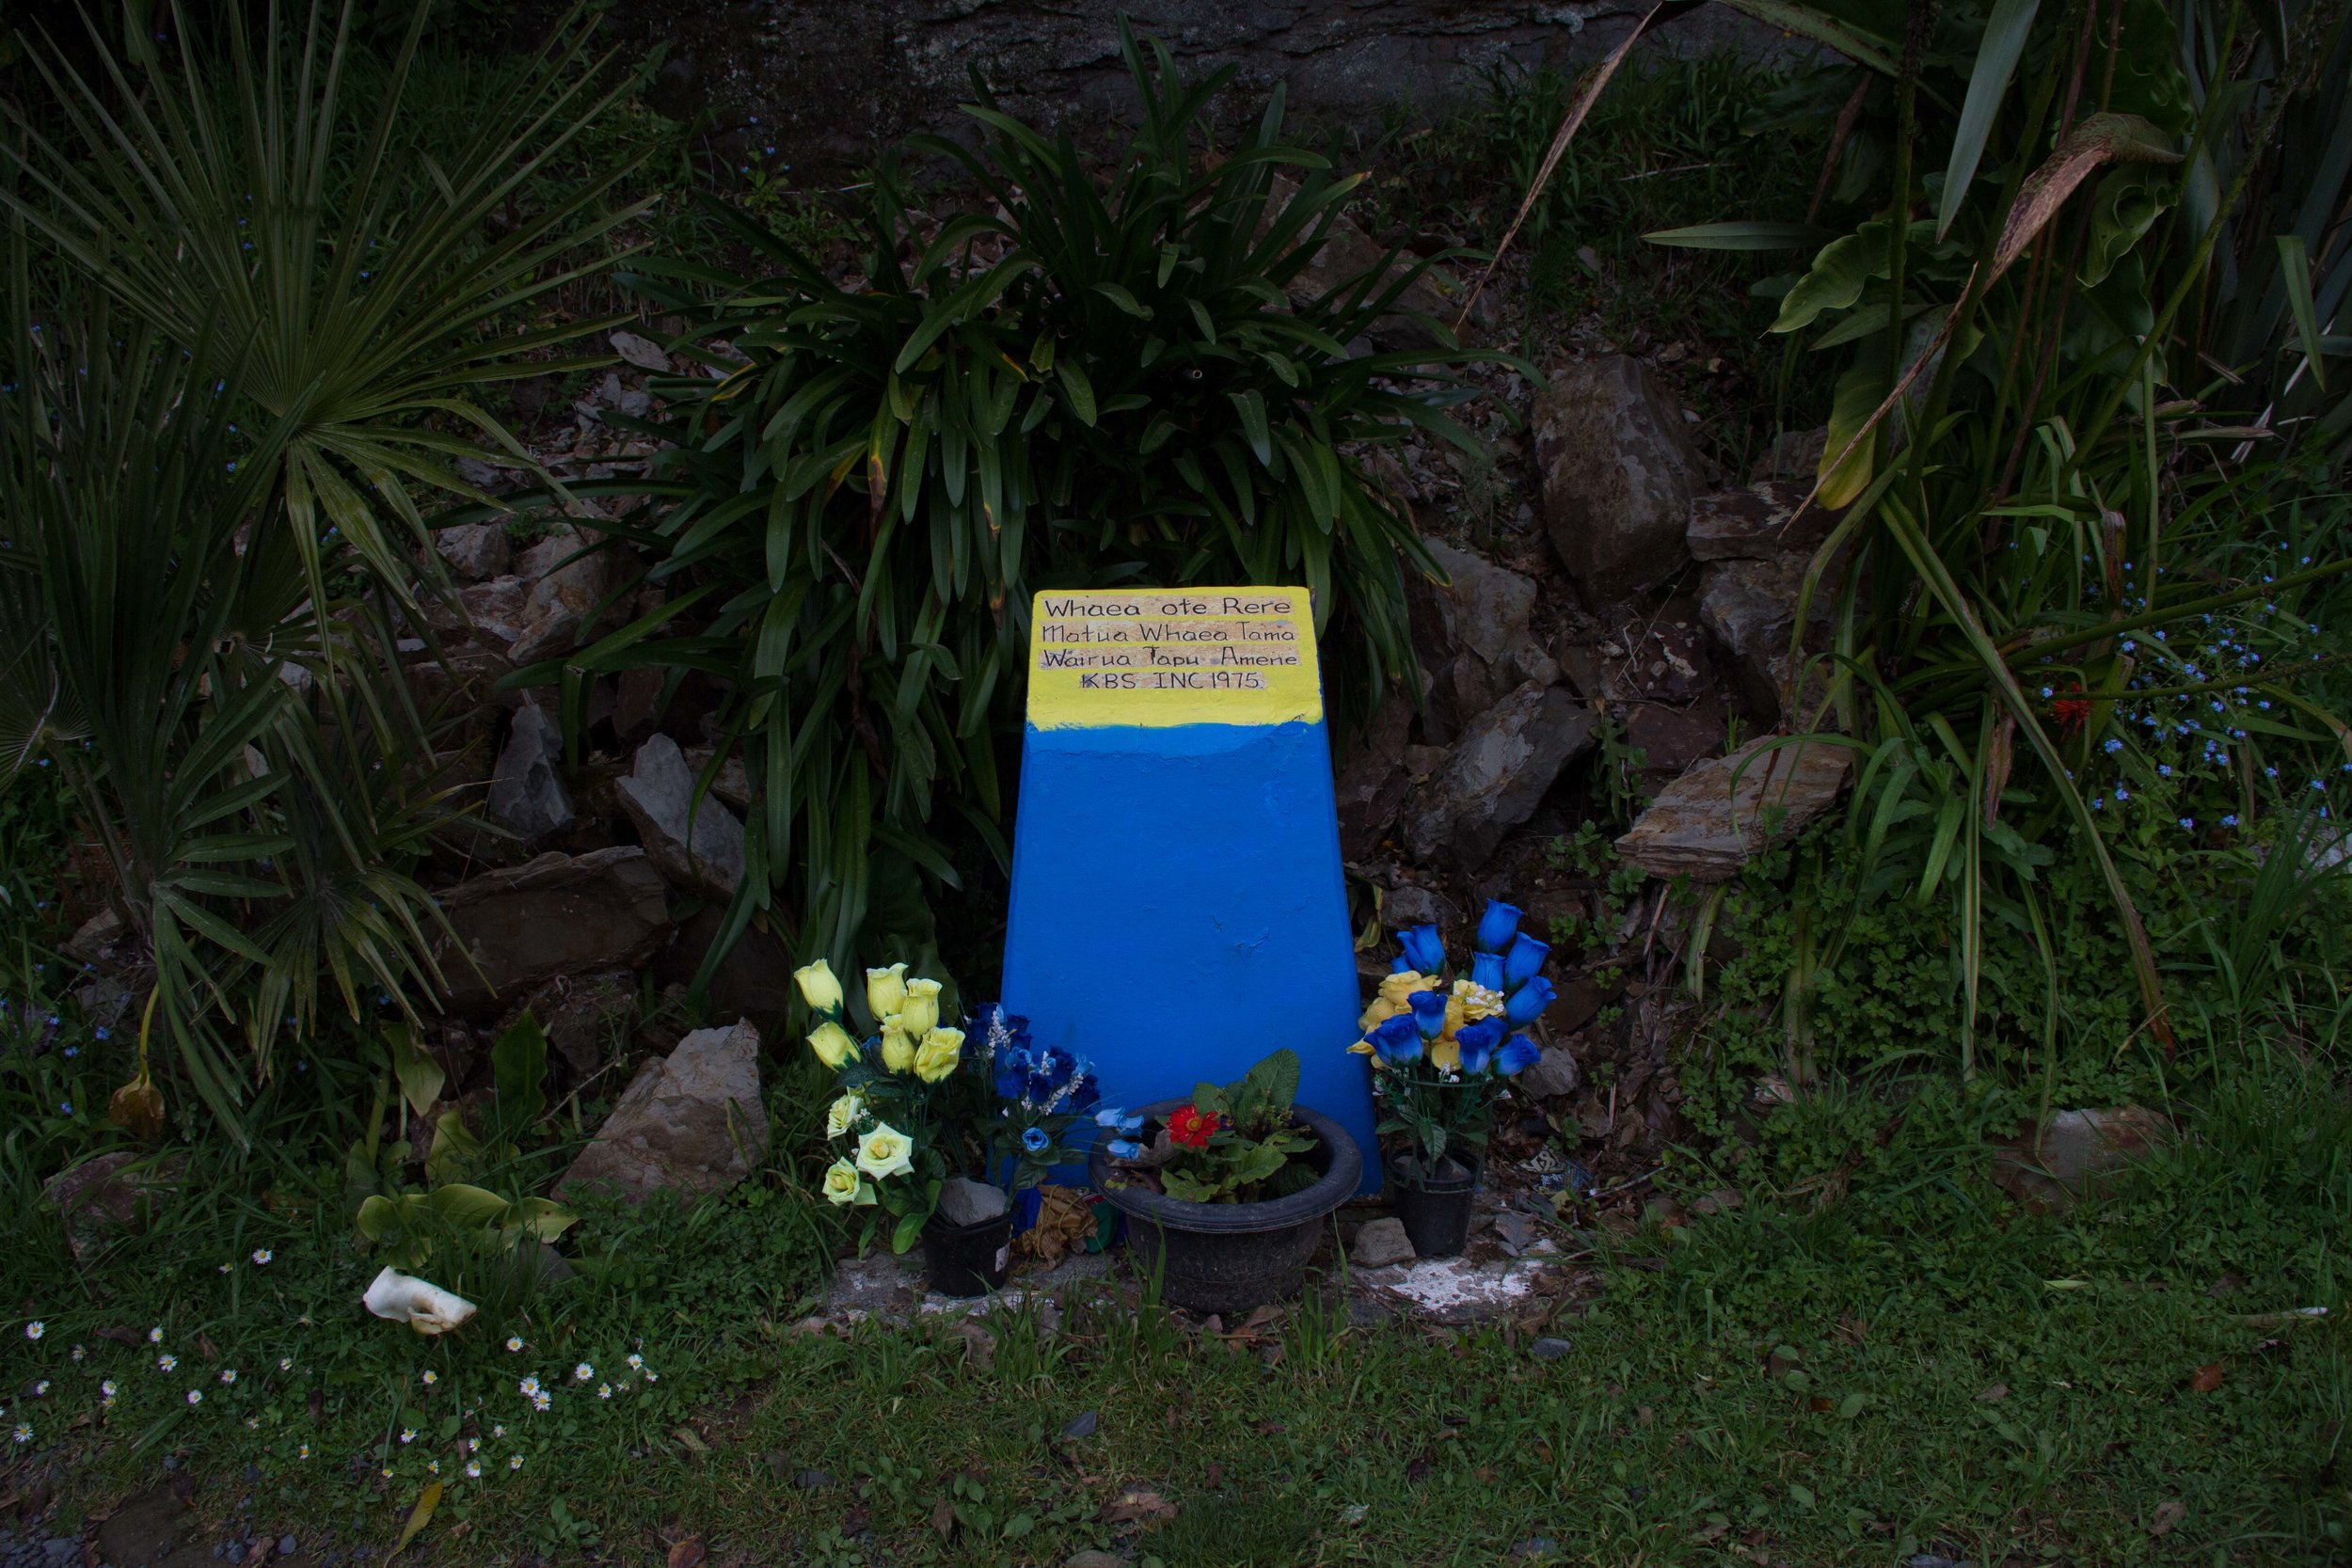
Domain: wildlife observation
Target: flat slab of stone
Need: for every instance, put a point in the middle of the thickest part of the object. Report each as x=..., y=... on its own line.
x=559, y=915
x=1457, y=1291
x=1715, y=817
x=2076, y=1148
x=693, y=1121
x=1757, y=522
x=698, y=844
x=1497, y=774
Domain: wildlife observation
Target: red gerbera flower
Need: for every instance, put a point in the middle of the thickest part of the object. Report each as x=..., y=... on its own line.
x=1189, y=1126
x=2071, y=711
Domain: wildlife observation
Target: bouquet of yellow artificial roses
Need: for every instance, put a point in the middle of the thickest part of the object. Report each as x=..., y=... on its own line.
x=911, y=1112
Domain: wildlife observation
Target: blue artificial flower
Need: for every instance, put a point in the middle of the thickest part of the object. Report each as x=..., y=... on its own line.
x=1396, y=1042
x=1035, y=1140
x=1085, y=1093
x=1423, y=949
x=1518, y=1055
x=1486, y=969
x=1428, y=1014
x=1498, y=925
x=1529, y=1001
x=1124, y=1149
x=1113, y=1118
x=1524, y=961
x=1478, y=1041
x=1013, y=1073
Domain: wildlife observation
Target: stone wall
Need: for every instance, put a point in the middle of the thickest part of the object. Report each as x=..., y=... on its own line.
x=830, y=80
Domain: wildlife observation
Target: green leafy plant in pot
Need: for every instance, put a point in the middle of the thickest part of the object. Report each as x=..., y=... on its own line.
x=1441, y=1055
x=1226, y=1193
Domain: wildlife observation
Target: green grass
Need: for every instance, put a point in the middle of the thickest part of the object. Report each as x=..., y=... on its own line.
x=1820, y=1384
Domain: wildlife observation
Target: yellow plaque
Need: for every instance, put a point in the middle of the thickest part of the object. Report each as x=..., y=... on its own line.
x=1165, y=656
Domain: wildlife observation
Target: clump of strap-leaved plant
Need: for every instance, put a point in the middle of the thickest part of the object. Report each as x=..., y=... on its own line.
x=2067, y=617
x=1104, y=371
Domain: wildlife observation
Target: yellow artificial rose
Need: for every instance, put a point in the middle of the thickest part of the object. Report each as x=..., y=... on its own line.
x=919, y=1012
x=941, y=1050
x=842, y=1115
x=1380, y=1012
x=898, y=1048
x=884, y=1152
x=1456, y=1014
x=886, y=991
x=831, y=1044
x=819, y=986
x=1397, y=990
x=1445, y=1054
x=1362, y=1048
x=843, y=1186
x=1477, y=1001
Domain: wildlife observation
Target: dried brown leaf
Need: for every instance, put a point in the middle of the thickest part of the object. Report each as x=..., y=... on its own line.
x=1136, y=1505
x=2168, y=1514
x=689, y=1552
x=2207, y=1378
x=1994, y=1395
x=2099, y=139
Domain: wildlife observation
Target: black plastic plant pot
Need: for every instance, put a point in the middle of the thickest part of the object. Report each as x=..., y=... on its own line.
x=1434, y=1206
x=1231, y=1257
x=967, y=1259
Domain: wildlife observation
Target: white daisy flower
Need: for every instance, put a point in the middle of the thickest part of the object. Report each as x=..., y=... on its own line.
x=166, y=1362
x=636, y=1363
x=41, y=1389
x=653, y=1377
x=226, y=1267
x=196, y=1396
x=514, y=1342
x=261, y=1256
x=530, y=1387
x=285, y=1363
x=79, y=1353
x=604, y=1391
x=107, y=1387
x=229, y=1375
x=434, y=1466
x=24, y=1435
x=408, y=1434
x=473, y=1469
x=513, y=1463
x=497, y=1432
x=35, y=1329
x=583, y=1372
x=154, y=1336
x=303, y=1452
x=431, y=1377
x=473, y=1444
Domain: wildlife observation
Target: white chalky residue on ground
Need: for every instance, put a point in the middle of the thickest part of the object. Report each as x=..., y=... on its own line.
x=1443, y=1284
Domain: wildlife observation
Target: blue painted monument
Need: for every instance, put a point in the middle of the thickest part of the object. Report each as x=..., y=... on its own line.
x=1178, y=907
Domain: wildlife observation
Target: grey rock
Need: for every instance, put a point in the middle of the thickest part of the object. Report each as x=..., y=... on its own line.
x=1710, y=821
x=1794, y=454
x=1083, y=1424
x=636, y=704
x=287, y=1545
x=1347, y=254
x=96, y=940
x=564, y=588
x=644, y=353
x=754, y=980
x=813, y=1481
x=1670, y=739
x=1496, y=775
x=1515, y=1231
x=2077, y=1149
x=495, y=609
x=1535, y=1545
x=1619, y=475
x=1484, y=609
x=732, y=783
x=475, y=552
x=1381, y=1243
x=698, y=844
x=1757, y=522
x=694, y=1122
x=558, y=915
x=110, y=1193
x=486, y=475
x=964, y=1201
x=527, y=793
x=1549, y=1349
x=1417, y=905
x=1369, y=783
x=1555, y=1072
x=1749, y=607
x=582, y=1016
x=61, y=1548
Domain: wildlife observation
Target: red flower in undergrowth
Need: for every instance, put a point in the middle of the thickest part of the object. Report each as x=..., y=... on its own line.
x=2071, y=711
x=1188, y=1127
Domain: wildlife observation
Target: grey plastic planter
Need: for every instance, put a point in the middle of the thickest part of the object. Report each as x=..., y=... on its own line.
x=1230, y=1257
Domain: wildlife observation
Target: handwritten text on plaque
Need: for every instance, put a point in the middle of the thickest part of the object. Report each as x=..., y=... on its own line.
x=1161, y=657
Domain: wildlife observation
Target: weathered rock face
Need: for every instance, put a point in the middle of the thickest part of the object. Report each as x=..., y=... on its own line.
x=754, y=980
x=699, y=847
x=527, y=793
x=1619, y=475
x=1473, y=638
x=560, y=914
x=1496, y=774
x=562, y=594
x=1757, y=522
x=693, y=1122
x=475, y=552
x=1757, y=546
x=1369, y=785
x=822, y=83
x=1708, y=822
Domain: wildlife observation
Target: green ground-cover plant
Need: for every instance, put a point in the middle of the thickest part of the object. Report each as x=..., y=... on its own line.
x=1104, y=383
x=2058, y=593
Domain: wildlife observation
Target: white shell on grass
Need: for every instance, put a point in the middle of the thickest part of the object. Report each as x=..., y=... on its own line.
x=419, y=1303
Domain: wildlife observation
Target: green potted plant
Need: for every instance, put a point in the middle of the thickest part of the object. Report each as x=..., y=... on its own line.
x=938, y=1137
x=1226, y=1192
x=1440, y=1055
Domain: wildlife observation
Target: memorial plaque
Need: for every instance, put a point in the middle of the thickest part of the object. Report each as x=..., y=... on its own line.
x=1141, y=656
x=1178, y=907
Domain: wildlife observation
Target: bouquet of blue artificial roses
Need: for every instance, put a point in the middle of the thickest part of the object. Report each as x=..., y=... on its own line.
x=1441, y=1051
x=1039, y=1093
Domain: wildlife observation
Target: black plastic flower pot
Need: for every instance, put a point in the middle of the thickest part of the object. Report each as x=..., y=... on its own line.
x=1434, y=1206
x=967, y=1259
x=1231, y=1257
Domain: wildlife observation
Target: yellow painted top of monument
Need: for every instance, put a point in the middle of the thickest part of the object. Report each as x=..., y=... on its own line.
x=1161, y=657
